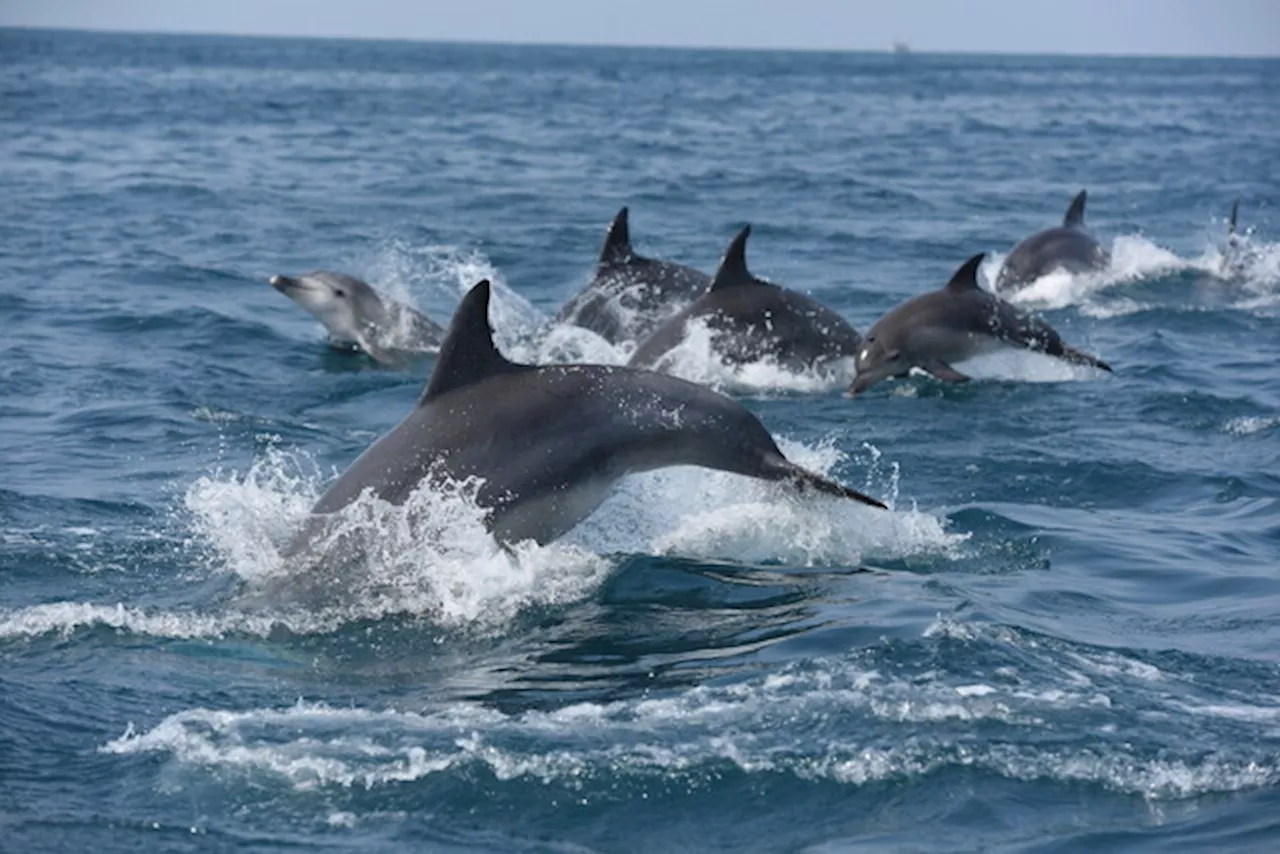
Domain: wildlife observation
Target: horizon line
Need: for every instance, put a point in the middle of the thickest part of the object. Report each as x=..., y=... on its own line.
x=888, y=49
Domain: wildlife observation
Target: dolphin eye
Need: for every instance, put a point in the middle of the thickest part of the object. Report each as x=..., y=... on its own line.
x=339, y=293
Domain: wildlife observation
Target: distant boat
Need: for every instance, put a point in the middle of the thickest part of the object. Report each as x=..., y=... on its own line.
x=901, y=47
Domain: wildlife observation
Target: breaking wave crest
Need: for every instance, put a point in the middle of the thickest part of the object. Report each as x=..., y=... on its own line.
x=869, y=721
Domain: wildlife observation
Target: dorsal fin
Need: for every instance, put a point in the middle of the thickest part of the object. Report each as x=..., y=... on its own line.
x=966, y=278
x=1231, y=223
x=617, y=243
x=733, y=272
x=1075, y=213
x=468, y=354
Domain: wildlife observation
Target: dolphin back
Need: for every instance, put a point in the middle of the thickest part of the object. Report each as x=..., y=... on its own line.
x=1074, y=250
x=630, y=295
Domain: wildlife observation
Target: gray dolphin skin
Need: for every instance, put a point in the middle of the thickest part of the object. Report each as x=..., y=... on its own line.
x=357, y=316
x=1069, y=247
x=548, y=442
x=630, y=294
x=752, y=319
x=951, y=324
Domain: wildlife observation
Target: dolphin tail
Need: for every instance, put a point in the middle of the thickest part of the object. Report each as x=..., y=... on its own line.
x=1079, y=357
x=784, y=469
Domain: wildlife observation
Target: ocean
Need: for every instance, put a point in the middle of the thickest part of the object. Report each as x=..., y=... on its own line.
x=1065, y=636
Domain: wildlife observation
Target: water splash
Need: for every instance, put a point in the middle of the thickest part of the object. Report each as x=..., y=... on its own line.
x=441, y=274
x=1247, y=278
x=696, y=359
x=432, y=558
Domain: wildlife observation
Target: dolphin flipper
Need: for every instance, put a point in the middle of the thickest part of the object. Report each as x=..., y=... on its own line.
x=783, y=469
x=1079, y=357
x=943, y=371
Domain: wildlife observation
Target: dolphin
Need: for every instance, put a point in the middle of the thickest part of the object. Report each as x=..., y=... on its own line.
x=630, y=294
x=1070, y=247
x=548, y=442
x=951, y=324
x=753, y=319
x=357, y=317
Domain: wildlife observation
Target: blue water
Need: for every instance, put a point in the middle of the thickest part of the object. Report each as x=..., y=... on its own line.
x=1066, y=635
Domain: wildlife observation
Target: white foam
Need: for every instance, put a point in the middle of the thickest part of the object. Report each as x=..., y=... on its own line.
x=1250, y=277
x=1248, y=425
x=245, y=516
x=443, y=273
x=1236, y=712
x=698, y=513
x=65, y=618
x=704, y=727
x=431, y=556
x=439, y=275
x=695, y=359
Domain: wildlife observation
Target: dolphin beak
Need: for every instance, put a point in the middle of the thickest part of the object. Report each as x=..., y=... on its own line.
x=860, y=384
x=282, y=283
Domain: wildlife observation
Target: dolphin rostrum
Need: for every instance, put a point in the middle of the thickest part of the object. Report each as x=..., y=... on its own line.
x=951, y=324
x=356, y=316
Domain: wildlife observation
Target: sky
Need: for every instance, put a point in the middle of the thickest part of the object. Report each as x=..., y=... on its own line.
x=1167, y=27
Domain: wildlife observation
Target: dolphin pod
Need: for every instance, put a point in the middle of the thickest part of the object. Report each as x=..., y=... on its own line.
x=549, y=442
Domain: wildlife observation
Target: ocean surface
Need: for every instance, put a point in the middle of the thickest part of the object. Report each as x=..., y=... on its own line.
x=1064, y=637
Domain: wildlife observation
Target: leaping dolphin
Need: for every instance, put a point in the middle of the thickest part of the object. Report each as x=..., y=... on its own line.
x=548, y=442
x=357, y=317
x=631, y=294
x=752, y=319
x=1070, y=246
x=957, y=322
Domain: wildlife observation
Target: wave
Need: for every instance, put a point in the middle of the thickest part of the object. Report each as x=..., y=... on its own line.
x=870, y=719
x=1248, y=425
